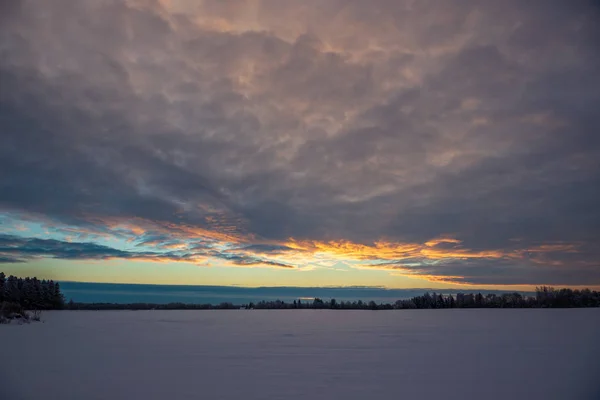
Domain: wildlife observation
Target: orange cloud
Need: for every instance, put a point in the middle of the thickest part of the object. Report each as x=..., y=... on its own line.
x=346, y=249
x=435, y=242
x=224, y=241
x=556, y=247
x=217, y=230
x=383, y=250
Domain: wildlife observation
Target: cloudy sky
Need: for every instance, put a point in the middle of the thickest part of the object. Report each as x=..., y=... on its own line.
x=309, y=143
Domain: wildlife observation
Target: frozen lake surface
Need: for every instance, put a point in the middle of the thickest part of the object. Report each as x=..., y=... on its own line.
x=304, y=354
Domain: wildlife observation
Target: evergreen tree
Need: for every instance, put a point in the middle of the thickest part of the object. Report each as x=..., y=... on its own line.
x=37, y=300
x=27, y=293
x=12, y=292
x=451, y=302
x=478, y=300
x=2, y=285
x=440, y=301
x=59, y=300
x=318, y=303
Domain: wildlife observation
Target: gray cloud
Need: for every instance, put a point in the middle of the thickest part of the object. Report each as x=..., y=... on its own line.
x=506, y=271
x=9, y=260
x=21, y=249
x=318, y=121
x=14, y=249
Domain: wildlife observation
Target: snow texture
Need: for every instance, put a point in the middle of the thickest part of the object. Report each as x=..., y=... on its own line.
x=304, y=354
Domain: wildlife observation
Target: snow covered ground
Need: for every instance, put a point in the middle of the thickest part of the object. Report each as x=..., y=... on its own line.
x=304, y=354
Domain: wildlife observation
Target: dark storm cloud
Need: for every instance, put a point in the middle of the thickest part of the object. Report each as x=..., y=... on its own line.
x=264, y=121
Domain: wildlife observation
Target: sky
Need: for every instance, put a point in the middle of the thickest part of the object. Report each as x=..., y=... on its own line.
x=301, y=143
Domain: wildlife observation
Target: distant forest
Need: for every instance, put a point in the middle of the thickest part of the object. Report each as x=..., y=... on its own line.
x=35, y=294
x=545, y=297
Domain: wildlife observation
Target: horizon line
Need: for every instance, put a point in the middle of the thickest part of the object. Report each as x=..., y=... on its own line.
x=383, y=288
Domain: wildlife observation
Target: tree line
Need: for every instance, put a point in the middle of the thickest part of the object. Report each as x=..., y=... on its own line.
x=34, y=294
x=30, y=293
x=545, y=297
